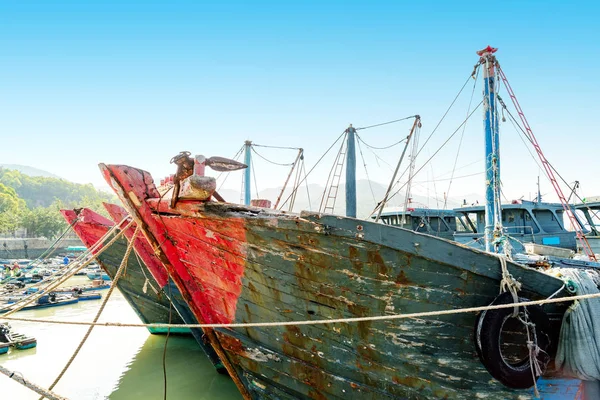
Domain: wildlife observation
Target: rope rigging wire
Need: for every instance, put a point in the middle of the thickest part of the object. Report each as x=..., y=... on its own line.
x=377, y=158
x=550, y=300
x=380, y=148
x=228, y=173
x=100, y=310
x=366, y=170
x=53, y=285
x=385, y=123
x=460, y=142
x=524, y=133
x=434, y=154
x=276, y=147
x=269, y=161
x=18, y=377
x=314, y=166
x=472, y=75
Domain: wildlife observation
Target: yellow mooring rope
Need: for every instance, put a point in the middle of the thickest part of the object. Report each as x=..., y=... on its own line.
x=91, y=327
x=16, y=376
x=320, y=321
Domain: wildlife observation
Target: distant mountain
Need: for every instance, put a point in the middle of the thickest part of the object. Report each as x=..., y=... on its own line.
x=31, y=171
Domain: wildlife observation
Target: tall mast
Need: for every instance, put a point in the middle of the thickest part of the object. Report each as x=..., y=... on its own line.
x=381, y=205
x=493, y=217
x=247, y=172
x=351, y=174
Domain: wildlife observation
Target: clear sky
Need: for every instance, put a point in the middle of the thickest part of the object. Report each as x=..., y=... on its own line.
x=131, y=82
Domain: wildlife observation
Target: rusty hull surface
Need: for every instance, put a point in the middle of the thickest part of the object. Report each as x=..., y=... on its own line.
x=243, y=264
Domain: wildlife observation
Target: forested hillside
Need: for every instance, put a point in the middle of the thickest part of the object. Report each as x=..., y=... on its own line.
x=33, y=202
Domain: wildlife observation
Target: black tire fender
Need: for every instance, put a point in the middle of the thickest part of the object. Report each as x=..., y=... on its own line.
x=488, y=329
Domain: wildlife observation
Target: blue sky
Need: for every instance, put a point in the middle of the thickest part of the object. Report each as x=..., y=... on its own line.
x=137, y=82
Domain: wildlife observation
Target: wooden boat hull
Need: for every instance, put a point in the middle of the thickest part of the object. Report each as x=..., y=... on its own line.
x=244, y=264
x=150, y=306
x=166, y=306
x=146, y=253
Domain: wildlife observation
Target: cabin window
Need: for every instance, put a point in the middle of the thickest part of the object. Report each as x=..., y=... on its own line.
x=420, y=225
x=586, y=217
x=529, y=224
x=407, y=221
x=547, y=221
x=451, y=222
x=462, y=224
x=437, y=225
x=510, y=217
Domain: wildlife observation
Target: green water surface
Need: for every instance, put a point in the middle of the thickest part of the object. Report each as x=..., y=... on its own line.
x=115, y=363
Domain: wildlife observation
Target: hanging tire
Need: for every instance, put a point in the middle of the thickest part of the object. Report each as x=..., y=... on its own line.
x=511, y=370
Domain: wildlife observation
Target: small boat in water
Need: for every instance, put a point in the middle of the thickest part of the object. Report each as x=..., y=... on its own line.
x=83, y=296
x=46, y=301
x=19, y=341
x=98, y=275
x=97, y=284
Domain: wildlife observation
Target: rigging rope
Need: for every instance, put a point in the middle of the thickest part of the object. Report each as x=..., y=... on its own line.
x=269, y=161
x=366, y=170
x=475, y=69
x=91, y=327
x=549, y=300
x=228, y=173
x=460, y=143
x=380, y=148
x=385, y=123
x=314, y=166
x=53, y=285
x=307, y=189
x=434, y=154
x=16, y=376
x=276, y=147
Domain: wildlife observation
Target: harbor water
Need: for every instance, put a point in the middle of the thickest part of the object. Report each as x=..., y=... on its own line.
x=115, y=363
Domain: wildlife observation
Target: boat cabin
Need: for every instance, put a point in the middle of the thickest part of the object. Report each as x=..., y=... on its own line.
x=589, y=213
x=524, y=221
x=434, y=222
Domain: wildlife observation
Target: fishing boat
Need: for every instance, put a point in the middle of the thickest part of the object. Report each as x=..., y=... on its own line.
x=8, y=338
x=525, y=221
x=150, y=306
x=83, y=296
x=164, y=283
x=436, y=222
x=589, y=210
x=98, y=275
x=239, y=263
x=47, y=301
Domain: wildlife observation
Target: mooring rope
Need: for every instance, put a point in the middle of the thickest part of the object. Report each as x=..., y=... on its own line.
x=320, y=321
x=89, y=331
x=53, y=285
x=16, y=376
